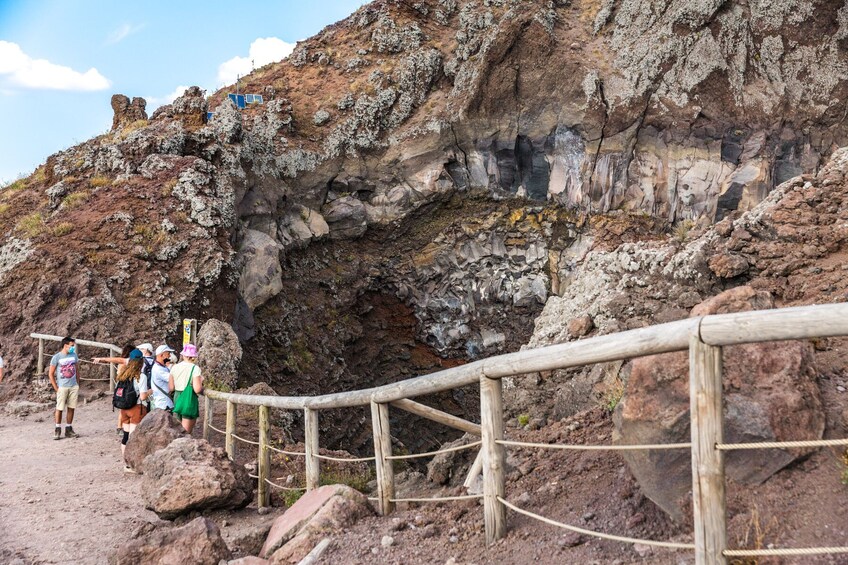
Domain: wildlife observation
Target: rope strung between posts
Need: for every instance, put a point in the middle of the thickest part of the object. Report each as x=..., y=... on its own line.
x=596, y=447
x=671, y=544
x=292, y=453
x=245, y=440
x=430, y=453
x=343, y=459
x=217, y=430
x=781, y=444
x=281, y=487
x=437, y=498
x=253, y=476
x=783, y=552
x=88, y=379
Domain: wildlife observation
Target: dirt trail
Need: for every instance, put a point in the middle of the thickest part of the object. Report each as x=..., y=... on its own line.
x=60, y=501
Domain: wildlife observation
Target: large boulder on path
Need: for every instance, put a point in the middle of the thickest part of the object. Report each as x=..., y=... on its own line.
x=770, y=394
x=316, y=514
x=156, y=431
x=219, y=352
x=198, y=542
x=190, y=474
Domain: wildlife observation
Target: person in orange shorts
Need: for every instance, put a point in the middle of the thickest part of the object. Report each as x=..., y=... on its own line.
x=131, y=417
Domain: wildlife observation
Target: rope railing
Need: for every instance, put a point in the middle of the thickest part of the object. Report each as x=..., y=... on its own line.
x=343, y=459
x=782, y=444
x=671, y=544
x=595, y=447
x=284, y=452
x=241, y=439
x=471, y=445
x=440, y=498
x=281, y=487
x=220, y=431
x=702, y=337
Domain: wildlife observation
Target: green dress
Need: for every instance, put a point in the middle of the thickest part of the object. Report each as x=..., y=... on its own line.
x=185, y=401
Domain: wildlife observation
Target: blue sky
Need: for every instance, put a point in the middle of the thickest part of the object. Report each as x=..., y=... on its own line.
x=61, y=60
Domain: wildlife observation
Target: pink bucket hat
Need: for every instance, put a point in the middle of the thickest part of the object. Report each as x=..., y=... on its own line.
x=189, y=350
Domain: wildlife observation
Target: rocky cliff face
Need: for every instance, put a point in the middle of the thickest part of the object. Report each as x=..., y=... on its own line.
x=423, y=178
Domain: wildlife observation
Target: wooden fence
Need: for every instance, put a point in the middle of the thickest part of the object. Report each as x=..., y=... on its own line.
x=113, y=350
x=703, y=337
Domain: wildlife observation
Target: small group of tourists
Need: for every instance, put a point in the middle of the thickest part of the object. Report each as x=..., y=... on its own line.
x=147, y=380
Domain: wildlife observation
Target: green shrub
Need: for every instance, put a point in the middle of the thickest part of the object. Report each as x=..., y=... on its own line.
x=523, y=419
x=63, y=228
x=31, y=225
x=75, y=199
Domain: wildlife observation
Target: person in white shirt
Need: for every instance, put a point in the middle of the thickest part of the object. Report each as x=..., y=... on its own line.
x=160, y=377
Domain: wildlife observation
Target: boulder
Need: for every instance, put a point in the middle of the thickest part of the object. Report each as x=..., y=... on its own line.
x=156, y=431
x=770, y=394
x=346, y=217
x=189, y=108
x=219, y=351
x=126, y=111
x=261, y=274
x=323, y=510
x=579, y=327
x=190, y=474
x=199, y=541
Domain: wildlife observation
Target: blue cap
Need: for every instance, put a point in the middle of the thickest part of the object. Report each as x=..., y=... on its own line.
x=135, y=354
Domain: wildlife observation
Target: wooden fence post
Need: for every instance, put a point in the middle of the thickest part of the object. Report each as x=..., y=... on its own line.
x=229, y=442
x=708, y=481
x=494, y=457
x=383, y=449
x=40, y=363
x=264, y=493
x=207, y=417
x=313, y=464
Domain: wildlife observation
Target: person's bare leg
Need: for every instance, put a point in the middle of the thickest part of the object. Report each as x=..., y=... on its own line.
x=188, y=425
x=58, y=417
x=70, y=417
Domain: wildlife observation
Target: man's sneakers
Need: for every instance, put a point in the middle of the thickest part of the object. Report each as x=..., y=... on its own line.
x=69, y=432
x=58, y=433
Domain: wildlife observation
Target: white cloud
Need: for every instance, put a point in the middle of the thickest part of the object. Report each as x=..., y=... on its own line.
x=19, y=69
x=154, y=102
x=122, y=32
x=262, y=51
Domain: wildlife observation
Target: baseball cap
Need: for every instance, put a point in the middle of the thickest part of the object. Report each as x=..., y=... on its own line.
x=145, y=347
x=135, y=354
x=162, y=349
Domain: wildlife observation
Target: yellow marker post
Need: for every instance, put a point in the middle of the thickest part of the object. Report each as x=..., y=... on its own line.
x=189, y=331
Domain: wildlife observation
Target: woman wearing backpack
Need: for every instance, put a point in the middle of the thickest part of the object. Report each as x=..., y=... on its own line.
x=187, y=382
x=129, y=379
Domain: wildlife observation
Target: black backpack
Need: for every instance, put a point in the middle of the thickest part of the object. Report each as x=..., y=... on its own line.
x=125, y=396
x=147, y=371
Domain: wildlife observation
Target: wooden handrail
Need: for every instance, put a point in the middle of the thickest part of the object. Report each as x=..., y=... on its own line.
x=110, y=346
x=703, y=337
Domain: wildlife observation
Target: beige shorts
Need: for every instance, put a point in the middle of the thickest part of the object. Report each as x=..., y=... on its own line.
x=66, y=397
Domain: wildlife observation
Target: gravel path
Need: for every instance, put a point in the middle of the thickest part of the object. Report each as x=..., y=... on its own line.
x=60, y=501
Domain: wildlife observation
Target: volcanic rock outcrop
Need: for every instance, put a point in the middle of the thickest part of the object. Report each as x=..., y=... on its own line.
x=770, y=394
x=452, y=170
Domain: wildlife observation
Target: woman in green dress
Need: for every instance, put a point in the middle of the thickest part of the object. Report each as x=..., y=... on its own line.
x=187, y=382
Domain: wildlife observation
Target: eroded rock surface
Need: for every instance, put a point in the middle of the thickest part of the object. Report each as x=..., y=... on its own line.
x=315, y=515
x=199, y=541
x=156, y=431
x=770, y=391
x=189, y=474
